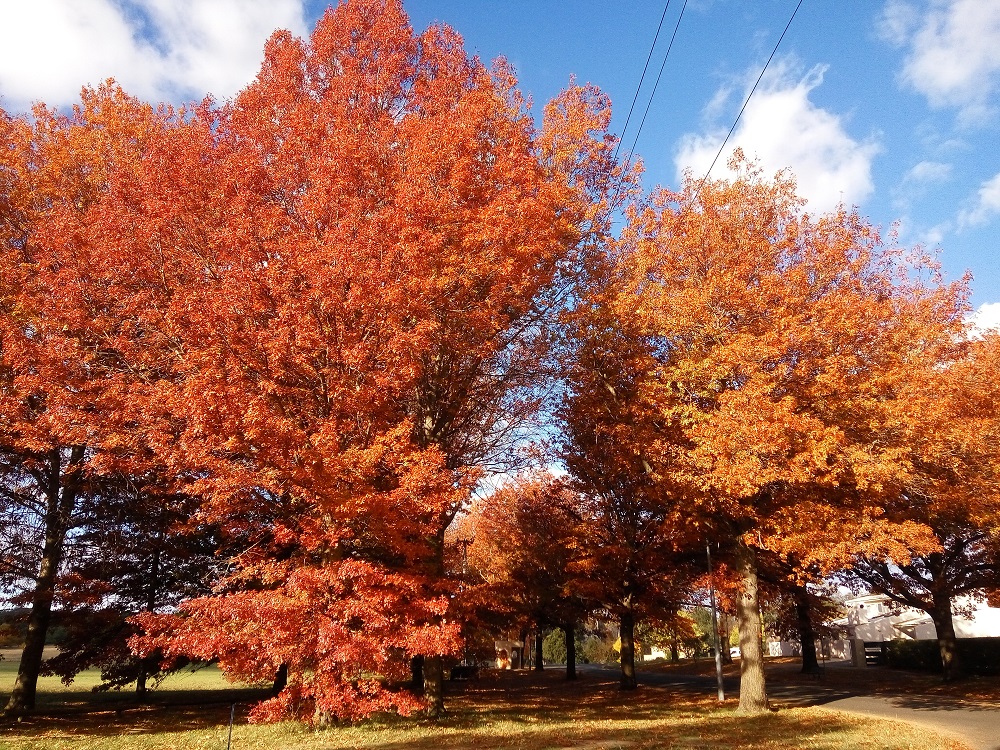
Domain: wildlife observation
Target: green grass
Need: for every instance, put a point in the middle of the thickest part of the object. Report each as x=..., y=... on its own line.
x=510, y=710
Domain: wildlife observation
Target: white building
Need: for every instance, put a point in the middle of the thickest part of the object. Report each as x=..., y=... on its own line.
x=875, y=617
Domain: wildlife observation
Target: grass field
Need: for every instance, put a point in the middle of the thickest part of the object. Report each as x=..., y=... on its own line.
x=509, y=710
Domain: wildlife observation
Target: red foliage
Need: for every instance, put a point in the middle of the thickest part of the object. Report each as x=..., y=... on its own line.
x=341, y=629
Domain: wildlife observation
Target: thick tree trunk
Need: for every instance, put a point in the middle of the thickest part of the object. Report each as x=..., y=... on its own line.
x=280, y=680
x=417, y=675
x=951, y=665
x=807, y=636
x=627, y=634
x=433, y=665
x=539, y=666
x=60, y=499
x=675, y=655
x=753, y=688
x=434, y=685
x=569, y=631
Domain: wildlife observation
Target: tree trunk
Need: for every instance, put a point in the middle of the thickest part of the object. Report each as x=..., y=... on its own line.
x=807, y=636
x=726, y=654
x=280, y=680
x=417, y=675
x=951, y=666
x=753, y=688
x=627, y=637
x=433, y=666
x=60, y=499
x=675, y=655
x=539, y=666
x=569, y=631
x=146, y=665
x=434, y=685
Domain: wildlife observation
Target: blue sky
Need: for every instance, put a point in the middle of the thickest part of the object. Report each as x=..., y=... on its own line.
x=892, y=105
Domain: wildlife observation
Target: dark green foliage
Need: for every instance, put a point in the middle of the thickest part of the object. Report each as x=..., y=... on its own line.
x=980, y=656
x=554, y=646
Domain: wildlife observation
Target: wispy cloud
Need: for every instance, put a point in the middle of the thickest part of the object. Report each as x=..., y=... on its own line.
x=783, y=128
x=928, y=172
x=157, y=49
x=985, y=207
x=953, y=51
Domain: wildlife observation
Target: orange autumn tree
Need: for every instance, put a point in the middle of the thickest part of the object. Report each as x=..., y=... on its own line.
x=524, y=547
x=631, y=537
x=782, y=346
x=953, y=489
x=77, y=352
x=388, y=236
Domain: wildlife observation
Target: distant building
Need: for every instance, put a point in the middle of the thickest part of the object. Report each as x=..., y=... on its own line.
x=875, y=617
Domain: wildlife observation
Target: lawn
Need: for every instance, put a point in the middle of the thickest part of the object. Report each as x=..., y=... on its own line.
x=509, y=710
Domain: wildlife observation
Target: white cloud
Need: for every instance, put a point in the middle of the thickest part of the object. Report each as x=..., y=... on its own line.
x=986, y=206
x=917, y=181
x=953, y=51
x=986, y=317
x=929, y=171
x=784, y=129
x=934, y=236
x=898, y=21
x=156, y=49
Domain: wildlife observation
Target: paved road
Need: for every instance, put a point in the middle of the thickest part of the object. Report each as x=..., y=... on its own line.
x=978, y=727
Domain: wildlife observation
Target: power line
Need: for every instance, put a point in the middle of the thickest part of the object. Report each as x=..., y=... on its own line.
x=641, y=79
x=670, y=46
x=656, y=84
x=746, y=101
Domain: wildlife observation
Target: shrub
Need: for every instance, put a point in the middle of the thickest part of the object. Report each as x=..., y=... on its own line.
x=980, y=656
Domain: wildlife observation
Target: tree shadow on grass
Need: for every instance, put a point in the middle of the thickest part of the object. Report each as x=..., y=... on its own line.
x=112, y=714
x=525, y=710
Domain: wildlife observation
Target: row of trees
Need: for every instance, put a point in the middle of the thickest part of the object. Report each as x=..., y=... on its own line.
x=256, y=357
x=786, y=389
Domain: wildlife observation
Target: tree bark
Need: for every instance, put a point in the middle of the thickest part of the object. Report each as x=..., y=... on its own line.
x=152, y=591
x=60, y=499
x=951, y=666
x=280, y=680
x=539, y=666
x=675, y=655
x=569, y=631
x=434, y=685
x=417, y=675
x=807, y=636
x=433, y=666
x=753, y=688
x=627, y=637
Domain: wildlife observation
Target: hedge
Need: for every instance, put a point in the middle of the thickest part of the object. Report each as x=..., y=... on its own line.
x=980, y=656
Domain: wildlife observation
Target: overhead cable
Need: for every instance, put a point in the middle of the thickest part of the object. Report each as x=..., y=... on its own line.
x=641, y=79
x=746, y=101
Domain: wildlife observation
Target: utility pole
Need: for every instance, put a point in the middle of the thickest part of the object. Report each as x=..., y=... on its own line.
x=715, y=625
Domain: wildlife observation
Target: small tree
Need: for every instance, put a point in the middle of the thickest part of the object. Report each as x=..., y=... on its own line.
x=525, y=547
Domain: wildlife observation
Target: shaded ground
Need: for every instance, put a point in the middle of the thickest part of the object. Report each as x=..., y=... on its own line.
x=502, y=710
x=967, y=708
